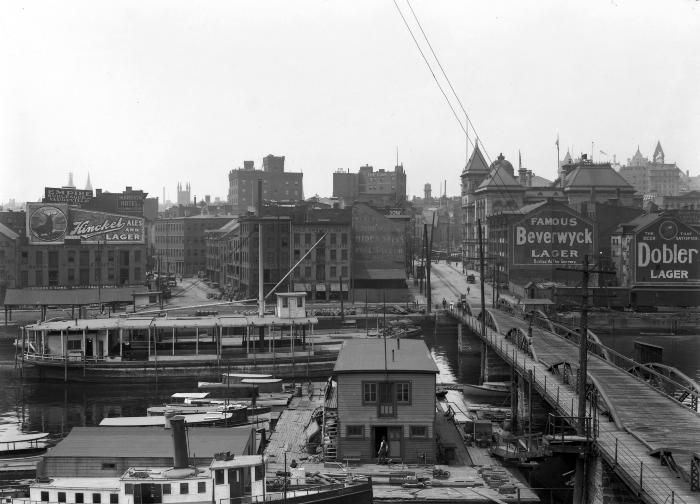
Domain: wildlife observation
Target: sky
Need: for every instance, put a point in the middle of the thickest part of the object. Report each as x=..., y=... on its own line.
x=146, y=94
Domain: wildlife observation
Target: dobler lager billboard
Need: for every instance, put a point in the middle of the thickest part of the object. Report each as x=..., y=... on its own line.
x=668, y=251
x=552, y=236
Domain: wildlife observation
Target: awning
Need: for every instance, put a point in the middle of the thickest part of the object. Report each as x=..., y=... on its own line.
x=335, y=287
x=302, y=287
x=320, y=287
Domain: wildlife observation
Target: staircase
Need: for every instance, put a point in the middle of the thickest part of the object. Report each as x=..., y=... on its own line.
x=330, y=435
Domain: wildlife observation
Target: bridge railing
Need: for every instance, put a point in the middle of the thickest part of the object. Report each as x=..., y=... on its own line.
x=641, y=479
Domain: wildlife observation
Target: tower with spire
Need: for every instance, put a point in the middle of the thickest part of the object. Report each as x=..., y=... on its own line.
x=88, y=184
x=658, y=157
x=183, y=195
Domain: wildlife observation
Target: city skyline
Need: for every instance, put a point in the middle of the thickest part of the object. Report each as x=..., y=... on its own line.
x=149, y=95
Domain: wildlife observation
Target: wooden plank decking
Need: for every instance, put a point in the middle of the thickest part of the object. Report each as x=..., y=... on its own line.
x=650, y=419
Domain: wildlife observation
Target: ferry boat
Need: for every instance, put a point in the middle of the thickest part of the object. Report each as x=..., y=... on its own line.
x=226, y=478
x=164, y=348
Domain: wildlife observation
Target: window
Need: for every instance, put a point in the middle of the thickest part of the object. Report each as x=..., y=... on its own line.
x=39, y=258
x=71, y=256
x=344, y=238
x=403, y=393
x=344, y=254
x=113, y=498
x=25, y=260
x=369, y=393
x=201, y=486
x=418, y=431
x=285, y=303
x=344, y=271
x=184, y=488
x=219, y=476
x=61, y=497
x=259, y=472
x=355, y=431
x=44, y=496
x=76, y=344
x=96, y=498
x=334, y=255
x=333, y=271
x=307, y=238
x=80, y=498
x=299, y=302
x=128, y=490
x=333, y=238
x=105, y=465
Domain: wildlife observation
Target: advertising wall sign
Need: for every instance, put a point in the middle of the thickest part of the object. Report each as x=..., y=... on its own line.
x=667, y=252
x=552, y=237
x=47, y=223
x=131, y=202
x=66, y=195
x=101, y=227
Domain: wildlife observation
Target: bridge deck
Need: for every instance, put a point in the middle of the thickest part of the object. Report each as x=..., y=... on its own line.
x=649, y=419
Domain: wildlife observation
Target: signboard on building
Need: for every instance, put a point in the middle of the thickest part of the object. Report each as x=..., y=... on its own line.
x=552, y=236
x=131, y=202
x=46, y=223
x=100, y=227
x=66, y=195
x=57, y=223
x=667, y=252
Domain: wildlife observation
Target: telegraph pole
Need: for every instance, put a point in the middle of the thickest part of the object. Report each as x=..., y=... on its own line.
x=428, y=288
x=481, y=279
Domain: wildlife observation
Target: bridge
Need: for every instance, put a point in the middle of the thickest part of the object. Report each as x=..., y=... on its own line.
x=644, y=422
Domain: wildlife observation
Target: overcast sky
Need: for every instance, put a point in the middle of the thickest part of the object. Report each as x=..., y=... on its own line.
x=150, y=93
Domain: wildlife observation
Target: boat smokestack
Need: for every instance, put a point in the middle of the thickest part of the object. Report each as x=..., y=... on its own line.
x=180, y=459
x=398, y=343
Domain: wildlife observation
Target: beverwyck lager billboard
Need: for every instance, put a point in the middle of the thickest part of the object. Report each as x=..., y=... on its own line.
x=667, y=252
x=55, y=223
x=552, y=236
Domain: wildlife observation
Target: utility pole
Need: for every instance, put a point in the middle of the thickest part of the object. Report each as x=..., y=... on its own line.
x=428, y=290
x=481, y=279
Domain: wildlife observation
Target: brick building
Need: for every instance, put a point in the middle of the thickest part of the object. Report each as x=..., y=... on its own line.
x=278, y=185
x=378, y=188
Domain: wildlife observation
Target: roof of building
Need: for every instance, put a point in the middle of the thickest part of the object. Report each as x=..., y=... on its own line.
x=586, y=175
x=406, y=355
x=144, y=442
x=8, y=232
x=476, y=163
x=72, y=297
x=500, y=177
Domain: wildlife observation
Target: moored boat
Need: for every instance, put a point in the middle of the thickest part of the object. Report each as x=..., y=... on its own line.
x=23, y=445
x=487, y=389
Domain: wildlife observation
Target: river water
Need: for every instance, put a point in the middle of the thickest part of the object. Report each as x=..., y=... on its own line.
x=55, y=407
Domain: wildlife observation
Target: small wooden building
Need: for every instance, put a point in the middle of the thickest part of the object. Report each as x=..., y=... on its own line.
x=386, y=388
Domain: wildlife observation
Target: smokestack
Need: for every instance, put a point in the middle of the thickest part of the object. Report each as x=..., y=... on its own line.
x=398, y=343
x=180, y=459
x=392, y=355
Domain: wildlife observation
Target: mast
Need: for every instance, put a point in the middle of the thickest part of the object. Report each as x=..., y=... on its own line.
x=261, y=285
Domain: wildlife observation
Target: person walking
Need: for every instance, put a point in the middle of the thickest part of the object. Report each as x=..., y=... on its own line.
x=383, y=451
x=444, y=303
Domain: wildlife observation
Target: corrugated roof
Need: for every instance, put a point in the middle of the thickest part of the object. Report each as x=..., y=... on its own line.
x=8, y=232
x=147, y=442
x=357, y=356
x=71, y=297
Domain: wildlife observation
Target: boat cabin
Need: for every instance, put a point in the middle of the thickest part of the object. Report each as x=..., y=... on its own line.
x=385, y=389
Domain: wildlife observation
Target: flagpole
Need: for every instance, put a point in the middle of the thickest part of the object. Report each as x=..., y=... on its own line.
x=561, y=182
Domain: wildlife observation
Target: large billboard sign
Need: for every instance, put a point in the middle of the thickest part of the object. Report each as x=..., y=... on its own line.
x=667, y=252
x=54, y=223
x=101, y=227
x=552, y=236
x=47, y=223
x=66, y=195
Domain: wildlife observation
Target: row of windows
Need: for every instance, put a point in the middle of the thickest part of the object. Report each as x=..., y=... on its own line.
x=333, y=237
x=414, y=431
x=399, y=392
x=79, y=497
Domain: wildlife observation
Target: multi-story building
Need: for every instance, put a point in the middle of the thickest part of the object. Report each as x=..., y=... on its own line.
x=278, y=185
x=378, y=188
x=385, y=390
x=657, y=257
x=380, y=241
x=654, y=177
x=180, y=247
x=9, y=241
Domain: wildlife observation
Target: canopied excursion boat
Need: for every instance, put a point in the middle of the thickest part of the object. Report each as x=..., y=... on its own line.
x=176, y=347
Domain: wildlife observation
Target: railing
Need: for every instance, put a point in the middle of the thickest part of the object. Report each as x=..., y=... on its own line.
x=336, y=489
x=631, y=469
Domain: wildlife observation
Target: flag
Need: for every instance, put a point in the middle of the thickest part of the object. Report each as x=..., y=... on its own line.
x=557, y=142
x=604, y=153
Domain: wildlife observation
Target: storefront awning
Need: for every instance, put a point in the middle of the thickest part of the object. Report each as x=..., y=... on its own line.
x=335, y=287
x=302, y=287
x=320, y=287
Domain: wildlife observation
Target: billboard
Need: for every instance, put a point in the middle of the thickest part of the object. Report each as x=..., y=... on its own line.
x=667, y=252
x=47, y=223
x=66, y=195
x=100, y=227
x=552, y=236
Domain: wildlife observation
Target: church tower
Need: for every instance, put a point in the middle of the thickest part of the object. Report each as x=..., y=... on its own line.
x=658, y=157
